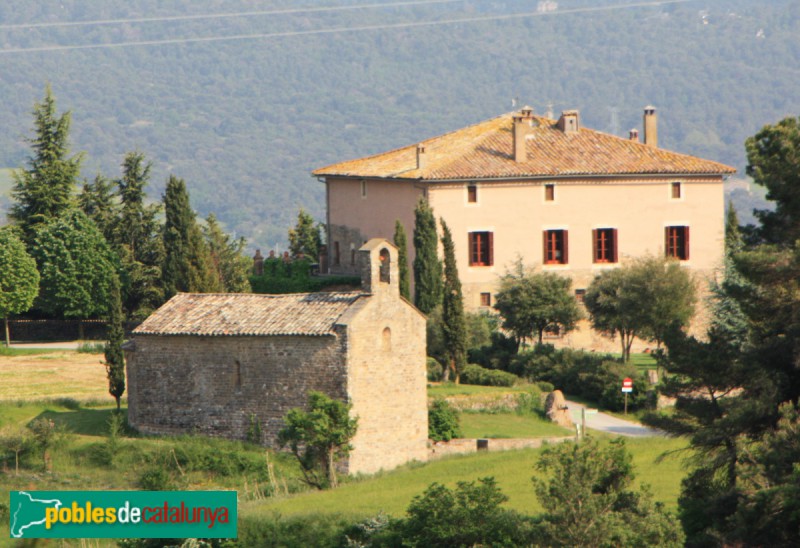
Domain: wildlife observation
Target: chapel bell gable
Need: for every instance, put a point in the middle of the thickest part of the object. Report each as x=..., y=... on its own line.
x=379, y=270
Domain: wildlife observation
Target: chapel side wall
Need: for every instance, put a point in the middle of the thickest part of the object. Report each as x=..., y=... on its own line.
x=387, y=385
x=353, y=219
x=183, y=384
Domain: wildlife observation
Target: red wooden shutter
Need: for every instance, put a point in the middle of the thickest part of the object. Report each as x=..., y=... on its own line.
x=491, y=247
x=470, y=253
x=544, y=247
x=565, y=251
x=666, y=241
x=614, y=245
x=594, y=245
x=686, y=242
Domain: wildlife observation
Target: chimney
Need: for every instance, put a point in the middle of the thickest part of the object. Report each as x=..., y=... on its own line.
x=633, y=135
x=522, y=122
x=421, y=156
x=650, y=127
x=258, y=263
x=569, y=121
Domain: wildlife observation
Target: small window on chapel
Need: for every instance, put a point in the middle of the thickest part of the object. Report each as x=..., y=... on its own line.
x=386, y=339
x=363, y=189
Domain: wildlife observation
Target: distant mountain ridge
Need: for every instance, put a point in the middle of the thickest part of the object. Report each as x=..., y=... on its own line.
x=245, y=121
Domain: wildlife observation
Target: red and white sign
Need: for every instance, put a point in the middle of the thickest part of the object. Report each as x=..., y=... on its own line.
x=627, y=385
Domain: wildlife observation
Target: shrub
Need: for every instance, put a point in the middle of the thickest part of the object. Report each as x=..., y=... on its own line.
x=475, y=374
x=91, y=348
x=545, y=386
x=155, y=478
x=443, y=421
x=434, y=370
x=530, y=402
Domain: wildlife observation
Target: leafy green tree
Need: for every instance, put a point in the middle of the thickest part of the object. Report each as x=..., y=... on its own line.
x=773, y=156
x=45, y=189
x=187, y=262
x=115, y=358
x=443, y=421
x=232, y=267
x=401, y=241
x=588, y=501
x=16, y=440
x=76, y=266
x=305, y=237
x=427, y=267
x=454, y=325
x=647, y=298
x=319, y=437
x=19, y=279
x=469, y=515
x=531, y=302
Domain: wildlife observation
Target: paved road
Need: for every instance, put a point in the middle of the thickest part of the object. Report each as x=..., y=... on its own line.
x=610, y=424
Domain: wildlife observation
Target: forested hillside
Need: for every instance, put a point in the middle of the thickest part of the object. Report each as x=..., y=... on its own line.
x=243, y=105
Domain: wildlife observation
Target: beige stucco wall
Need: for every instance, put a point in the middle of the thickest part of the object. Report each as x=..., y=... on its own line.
x=517, y=214
x=353, y=219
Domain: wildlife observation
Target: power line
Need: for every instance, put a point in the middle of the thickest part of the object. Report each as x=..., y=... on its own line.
x=166, y=18
x=362, y=28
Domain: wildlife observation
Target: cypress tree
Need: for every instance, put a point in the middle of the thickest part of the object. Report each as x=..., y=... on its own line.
x=45, y=189
x=427, y=267
x=401, y=241
x=454, y=324
x=187, y=262
x=115, y=359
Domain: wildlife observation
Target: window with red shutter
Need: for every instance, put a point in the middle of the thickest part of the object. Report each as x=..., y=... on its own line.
x=604, y=245
x=676, y=242
x=555, y=247
x=480, y=249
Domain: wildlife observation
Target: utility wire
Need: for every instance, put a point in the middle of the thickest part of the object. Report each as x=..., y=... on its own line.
x=341, y=29
x=165, y=18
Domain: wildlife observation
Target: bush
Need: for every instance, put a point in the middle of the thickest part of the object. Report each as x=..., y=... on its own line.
x=475, y=374
x=434, y=370
x=443, y=421
x=155, y=478
x=596, y=377
x=530, y=402
x=91, y=348
x=498, y=354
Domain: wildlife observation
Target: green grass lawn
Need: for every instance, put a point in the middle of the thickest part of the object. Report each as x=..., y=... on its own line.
x=392, y=492
x=508, y=425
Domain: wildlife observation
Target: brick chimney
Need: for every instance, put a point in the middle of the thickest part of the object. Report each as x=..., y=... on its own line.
x=569, y=121
x=421, y=159
x=522, y=122
x=650, y=127
x=258, y=263
x=633, y=135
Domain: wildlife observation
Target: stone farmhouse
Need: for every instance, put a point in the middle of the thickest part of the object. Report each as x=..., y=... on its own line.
x=218, y=364
x=561, y=197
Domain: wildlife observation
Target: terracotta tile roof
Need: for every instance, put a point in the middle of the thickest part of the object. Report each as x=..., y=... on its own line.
x=212, y=314
x=485, y=151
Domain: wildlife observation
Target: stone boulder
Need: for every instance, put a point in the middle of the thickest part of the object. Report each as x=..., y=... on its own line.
x=555, y=407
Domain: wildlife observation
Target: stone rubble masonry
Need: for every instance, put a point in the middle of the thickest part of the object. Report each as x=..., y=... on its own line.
x=222, y=385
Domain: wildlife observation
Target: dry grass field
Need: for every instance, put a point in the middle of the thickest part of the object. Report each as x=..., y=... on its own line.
x=58, y=374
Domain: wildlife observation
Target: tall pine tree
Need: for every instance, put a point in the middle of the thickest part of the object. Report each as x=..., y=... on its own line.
x=427, y=267
x=401, y=241
x=137, y=239
x=187, y=262
x=454, y=324
x=45, y=189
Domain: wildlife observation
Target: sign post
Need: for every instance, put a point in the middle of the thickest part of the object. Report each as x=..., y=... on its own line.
x=627, y=386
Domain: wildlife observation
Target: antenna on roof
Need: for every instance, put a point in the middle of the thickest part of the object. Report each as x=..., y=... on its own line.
x=613, y=124
x=514, y=101
x=549, y=112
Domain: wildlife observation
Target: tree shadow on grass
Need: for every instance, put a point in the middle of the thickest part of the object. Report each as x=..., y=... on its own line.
x=86, y=422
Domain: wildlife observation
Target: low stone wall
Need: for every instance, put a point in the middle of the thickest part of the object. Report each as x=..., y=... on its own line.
x=470, y=445
x=481, y=402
